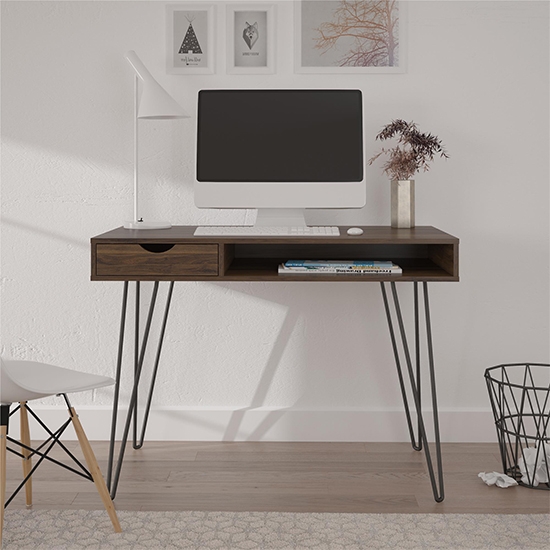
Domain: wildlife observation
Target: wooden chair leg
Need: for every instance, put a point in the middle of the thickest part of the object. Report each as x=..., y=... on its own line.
x=3, y=435
x=94, y=470
x=27, y=461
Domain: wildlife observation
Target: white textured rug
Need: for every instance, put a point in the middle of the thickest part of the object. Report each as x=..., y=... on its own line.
x=75, y=529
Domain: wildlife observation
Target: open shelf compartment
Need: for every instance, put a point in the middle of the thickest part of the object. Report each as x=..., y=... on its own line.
x=260, y=261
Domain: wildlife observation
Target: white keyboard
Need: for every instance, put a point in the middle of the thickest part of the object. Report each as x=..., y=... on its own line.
x=252, y=231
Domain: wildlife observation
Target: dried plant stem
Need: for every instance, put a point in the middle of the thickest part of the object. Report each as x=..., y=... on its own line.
x=414, y=150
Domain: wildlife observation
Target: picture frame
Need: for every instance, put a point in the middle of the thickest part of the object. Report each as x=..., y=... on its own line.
x=190, y=40
x=321, y=47
x=250, y=38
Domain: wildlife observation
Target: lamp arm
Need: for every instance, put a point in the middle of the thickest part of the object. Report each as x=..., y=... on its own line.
x=136, y=150
x=138, y=66
x=154, y=103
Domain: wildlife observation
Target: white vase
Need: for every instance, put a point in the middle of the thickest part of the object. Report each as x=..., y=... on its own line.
x=402, y=203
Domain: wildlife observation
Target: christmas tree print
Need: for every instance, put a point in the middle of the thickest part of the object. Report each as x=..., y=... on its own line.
x=190, y=43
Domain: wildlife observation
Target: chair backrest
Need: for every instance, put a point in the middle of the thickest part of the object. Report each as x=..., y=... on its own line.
x=10, y=390
x=27, y=380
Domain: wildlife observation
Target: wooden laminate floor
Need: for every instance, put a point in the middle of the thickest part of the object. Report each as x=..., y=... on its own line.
x=291, y=477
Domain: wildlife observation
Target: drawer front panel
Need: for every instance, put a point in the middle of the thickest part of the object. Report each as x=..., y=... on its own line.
x=156, y=260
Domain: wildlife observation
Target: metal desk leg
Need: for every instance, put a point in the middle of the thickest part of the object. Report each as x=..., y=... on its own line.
x=437, y=486
x=140, y=348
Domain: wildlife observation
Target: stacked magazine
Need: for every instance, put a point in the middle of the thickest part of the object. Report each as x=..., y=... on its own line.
x=347, y=267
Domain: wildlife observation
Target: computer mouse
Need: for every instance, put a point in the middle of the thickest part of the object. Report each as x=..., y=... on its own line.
x=355, y=231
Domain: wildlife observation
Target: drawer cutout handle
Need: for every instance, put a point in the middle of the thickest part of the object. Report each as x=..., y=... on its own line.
x=157, y=248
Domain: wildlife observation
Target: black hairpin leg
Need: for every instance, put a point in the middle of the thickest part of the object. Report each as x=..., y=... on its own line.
x=140, y=347
x=437, y=485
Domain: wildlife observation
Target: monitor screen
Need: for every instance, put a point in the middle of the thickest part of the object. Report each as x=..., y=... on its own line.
x=280, y=136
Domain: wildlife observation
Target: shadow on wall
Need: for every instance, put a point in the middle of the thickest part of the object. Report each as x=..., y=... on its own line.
x=239, y=425
x=48, y=234
x=234, y=429
x=266, y=379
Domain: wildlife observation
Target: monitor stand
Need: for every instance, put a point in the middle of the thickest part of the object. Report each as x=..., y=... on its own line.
x=280, y=217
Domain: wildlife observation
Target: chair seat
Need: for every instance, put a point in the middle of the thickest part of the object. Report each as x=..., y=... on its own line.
x=27, y=380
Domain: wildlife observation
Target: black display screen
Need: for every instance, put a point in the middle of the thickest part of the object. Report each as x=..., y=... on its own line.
x=280, y=136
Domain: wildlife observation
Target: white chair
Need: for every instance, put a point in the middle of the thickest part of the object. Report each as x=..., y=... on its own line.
x=22, y=381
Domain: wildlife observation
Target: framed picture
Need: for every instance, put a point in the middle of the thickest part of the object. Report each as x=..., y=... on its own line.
x=350, y=36
x=251, y=38
x=190, y=38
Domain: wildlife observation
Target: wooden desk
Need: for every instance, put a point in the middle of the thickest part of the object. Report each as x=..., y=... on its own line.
x=425, y=254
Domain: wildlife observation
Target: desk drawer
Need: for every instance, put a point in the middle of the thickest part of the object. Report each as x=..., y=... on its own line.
x=156, y=260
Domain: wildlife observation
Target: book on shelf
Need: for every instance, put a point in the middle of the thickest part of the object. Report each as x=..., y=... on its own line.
x=339, y=263
x=327, y=267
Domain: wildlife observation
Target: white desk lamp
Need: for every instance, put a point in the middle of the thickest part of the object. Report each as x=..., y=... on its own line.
x=155, y=103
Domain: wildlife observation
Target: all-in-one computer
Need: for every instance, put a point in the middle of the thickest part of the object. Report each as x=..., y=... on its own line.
x=280, y=151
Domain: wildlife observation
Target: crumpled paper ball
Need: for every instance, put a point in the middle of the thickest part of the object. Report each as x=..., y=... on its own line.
x=534, y=465
x=500, y=480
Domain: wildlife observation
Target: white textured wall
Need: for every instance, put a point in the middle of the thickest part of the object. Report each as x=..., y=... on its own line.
x=311, y=361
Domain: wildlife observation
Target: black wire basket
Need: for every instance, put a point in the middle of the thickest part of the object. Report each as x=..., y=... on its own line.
x=520, y=398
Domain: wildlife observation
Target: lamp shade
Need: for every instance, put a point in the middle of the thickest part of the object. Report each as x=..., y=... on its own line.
x=155, y=101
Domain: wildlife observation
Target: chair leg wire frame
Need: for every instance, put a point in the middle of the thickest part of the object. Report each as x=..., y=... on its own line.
x=91, y=473
x=414, y=379
x=140, y=348
x=50, y=443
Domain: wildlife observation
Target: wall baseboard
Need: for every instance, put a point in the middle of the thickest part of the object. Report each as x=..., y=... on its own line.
x=261, y=424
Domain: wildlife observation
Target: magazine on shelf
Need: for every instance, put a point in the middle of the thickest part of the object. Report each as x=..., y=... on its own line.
x=339, y=263
x=390, y=269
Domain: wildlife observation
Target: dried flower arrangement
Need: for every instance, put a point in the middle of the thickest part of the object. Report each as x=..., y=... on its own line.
x=416, y=152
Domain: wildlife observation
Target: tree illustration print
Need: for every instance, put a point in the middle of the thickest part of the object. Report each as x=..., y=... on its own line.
x=371, y=27
x=190, y=43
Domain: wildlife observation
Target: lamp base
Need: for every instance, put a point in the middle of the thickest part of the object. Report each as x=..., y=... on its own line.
x=140, y=224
